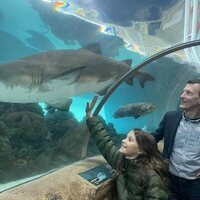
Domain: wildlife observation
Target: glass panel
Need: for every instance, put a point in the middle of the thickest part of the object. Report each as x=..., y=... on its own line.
x=56, y=55
x=143, y=107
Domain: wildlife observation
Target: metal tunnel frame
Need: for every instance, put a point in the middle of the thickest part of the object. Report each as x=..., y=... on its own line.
x=141, y=65
x=130, y=73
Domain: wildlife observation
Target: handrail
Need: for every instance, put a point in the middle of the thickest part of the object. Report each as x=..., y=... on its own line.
x=132, y=71
x=139, y=66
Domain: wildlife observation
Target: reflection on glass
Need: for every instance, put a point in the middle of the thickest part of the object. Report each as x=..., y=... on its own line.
x=56, y=55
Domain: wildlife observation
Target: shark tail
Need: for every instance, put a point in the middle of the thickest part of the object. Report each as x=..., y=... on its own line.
x=142, y=77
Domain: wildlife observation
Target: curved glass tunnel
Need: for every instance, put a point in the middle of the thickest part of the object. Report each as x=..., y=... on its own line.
x=44, y=88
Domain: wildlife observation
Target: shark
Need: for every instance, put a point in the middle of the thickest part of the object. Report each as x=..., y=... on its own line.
x=52, y=76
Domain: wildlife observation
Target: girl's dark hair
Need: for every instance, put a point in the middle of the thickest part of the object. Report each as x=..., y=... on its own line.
x=150, y=157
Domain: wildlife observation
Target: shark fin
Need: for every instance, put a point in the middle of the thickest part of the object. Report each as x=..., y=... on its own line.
x=128, y=61
x=95, y=48
x=129, y=81
x=71, y=76
x=143, y=77
x=103, y=91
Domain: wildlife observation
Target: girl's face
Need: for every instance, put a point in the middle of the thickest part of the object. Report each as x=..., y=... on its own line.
x=129, y=146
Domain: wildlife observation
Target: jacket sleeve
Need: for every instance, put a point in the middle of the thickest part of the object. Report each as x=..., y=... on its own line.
x=159, y=132
x=156, y=189
x=103, y=141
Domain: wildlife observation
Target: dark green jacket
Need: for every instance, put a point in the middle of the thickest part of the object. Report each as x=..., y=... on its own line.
x=130, y=183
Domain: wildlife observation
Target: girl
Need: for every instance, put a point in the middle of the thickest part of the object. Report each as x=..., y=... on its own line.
x=141, y=173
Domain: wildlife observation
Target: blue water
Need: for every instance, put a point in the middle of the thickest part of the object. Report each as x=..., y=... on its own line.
x=29, y=27
x=23, y=29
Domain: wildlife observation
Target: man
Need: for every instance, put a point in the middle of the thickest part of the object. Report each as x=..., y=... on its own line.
x=181, y=133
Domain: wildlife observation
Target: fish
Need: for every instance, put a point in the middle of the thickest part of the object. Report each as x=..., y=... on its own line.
x=52, y=76
x=135, y=110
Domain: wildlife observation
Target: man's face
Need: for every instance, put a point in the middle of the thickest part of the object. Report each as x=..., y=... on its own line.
x=190, y=98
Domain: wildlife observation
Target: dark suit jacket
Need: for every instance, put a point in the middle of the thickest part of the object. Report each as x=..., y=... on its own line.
x=167, y=131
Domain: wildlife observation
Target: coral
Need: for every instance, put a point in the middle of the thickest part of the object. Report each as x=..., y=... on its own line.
x=6, y=108
x=32, y=125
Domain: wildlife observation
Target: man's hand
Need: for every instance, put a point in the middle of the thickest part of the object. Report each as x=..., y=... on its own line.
x=90, y=106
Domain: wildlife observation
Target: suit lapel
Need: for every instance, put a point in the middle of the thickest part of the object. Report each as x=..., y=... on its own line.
x=174, y=123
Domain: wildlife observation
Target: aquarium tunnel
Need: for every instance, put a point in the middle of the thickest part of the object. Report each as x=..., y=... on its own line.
x=56, y=55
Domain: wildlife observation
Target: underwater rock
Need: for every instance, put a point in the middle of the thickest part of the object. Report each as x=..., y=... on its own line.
x=61, y=123
x=6, y=108
x=72, y=144
x=32, y=125
x=61, y=106
x=21, y=162
x=25, y=149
